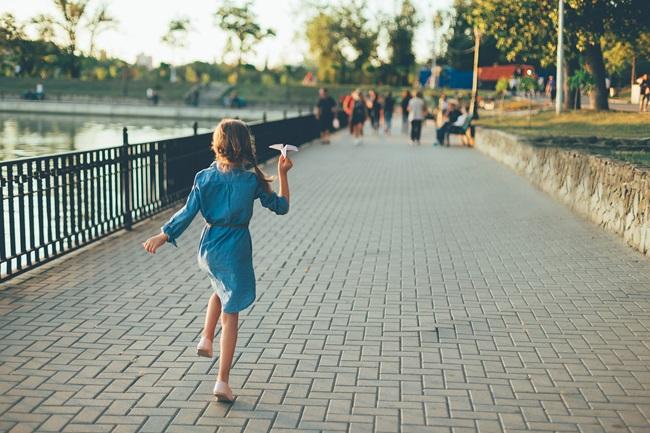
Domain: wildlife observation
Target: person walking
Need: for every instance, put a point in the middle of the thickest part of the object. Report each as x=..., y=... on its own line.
x=550, y=88
x=389, y=107
x=358, y=116
x=347, y=104
x=325, y=111
x=416, y=112
x=406, y=97
x=224, y=194
x=374, y=108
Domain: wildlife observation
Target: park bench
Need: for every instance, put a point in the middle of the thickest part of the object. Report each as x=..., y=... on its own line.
x=466, y=131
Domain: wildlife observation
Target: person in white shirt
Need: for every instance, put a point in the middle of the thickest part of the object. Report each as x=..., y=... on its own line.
x=462, y=118
x=417, y=110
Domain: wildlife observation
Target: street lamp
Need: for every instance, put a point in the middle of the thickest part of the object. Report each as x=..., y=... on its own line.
x=560, y=60
x=437, y=23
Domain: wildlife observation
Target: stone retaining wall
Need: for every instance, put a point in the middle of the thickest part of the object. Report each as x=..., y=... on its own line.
x=613, y=194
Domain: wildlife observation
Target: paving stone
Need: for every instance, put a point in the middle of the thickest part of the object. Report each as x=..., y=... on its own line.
x=410, y=289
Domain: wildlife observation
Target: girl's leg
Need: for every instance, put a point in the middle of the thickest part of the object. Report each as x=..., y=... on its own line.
x=212, y=316
x=227, y=344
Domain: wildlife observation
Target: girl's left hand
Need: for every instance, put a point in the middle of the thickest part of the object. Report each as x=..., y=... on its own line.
x=155, y=242
x=284, y=164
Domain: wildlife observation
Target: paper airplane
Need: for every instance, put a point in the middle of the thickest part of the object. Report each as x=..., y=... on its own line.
x=283, y=148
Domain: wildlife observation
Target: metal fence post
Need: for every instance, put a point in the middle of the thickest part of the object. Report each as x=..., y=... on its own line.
x=264, y=117
x=195, y=127
x=126, y=180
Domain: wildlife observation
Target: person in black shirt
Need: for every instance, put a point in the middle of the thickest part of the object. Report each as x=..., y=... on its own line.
x=389, y=107
x=325, y=109
x=358, y=116
x=374, y=107
x=453, y=113
x=406, y=97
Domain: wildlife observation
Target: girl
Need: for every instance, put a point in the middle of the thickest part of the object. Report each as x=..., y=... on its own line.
x=224, y=193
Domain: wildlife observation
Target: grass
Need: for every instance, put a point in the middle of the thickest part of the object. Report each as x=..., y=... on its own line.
x=55, y=87
x=617, y=135
x=575, y=124
x=253, y=93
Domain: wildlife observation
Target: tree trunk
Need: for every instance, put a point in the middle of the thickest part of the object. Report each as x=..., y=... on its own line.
x=633, y=72
x=596, y=66
x=572, y=100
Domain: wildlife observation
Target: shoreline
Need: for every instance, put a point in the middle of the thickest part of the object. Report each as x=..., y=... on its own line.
x=144, y=111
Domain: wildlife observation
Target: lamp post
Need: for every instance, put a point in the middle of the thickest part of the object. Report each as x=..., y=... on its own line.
x=559, y=78
x=477, y=45
x=437, y=23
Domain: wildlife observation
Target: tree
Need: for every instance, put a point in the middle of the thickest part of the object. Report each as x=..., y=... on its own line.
x=321, y=31
x=33, y=57
x=401, y=32
x=581, y=80
x=240, y=22
x=71, y=14
x=358, y=40
x=99, y=22
x=176, y=37
x=460, y=40
x=529, y=27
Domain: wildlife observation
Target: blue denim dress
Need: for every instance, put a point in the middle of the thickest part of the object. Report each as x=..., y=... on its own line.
x=225, y=200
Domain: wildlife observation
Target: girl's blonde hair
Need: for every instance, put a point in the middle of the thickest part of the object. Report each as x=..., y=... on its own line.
x=233, y=146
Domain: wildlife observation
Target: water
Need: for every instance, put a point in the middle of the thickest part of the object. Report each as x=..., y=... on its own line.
x=25, y=135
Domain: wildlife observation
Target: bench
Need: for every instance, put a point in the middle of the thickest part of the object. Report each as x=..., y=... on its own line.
x=466, y=132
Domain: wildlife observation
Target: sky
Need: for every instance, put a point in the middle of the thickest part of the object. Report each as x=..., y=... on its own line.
x=142, y=23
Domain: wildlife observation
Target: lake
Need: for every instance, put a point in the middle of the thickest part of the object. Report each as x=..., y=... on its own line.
x=25, y=135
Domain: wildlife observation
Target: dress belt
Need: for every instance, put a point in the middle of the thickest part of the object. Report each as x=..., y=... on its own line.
x=239, y=226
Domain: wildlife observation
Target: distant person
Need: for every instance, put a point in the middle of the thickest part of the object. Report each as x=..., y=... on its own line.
x=224, y=194
x=551, y=89
x=457, y=126
x=644, y=94
x=358, y=116
x=374, y=108
x=416, y=111
x=389, y=107
x=347, y=104
x=406, y=97
x=441, y=113
x=325, y=108
x=40, y=91
x=452, y=115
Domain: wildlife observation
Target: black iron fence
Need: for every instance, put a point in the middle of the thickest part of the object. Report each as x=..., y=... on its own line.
x=51, y=205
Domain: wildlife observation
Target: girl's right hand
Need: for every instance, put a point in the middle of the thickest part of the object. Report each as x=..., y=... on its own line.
x=284, y=164
x=155, y=242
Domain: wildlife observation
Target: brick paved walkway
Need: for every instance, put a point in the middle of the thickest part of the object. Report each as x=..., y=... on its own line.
x=543, y=319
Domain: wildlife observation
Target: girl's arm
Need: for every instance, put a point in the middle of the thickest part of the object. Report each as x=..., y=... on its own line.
x=177, y=224
x=284, y=165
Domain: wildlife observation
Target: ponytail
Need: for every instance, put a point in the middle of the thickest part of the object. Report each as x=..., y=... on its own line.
x=261, y=177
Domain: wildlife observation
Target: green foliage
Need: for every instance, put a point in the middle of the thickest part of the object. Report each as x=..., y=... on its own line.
x=502, y=86
x=342, y=43
x=582, y=79
x=401, y=31
x=460, y=40
x=241, y=23
x=177, y=31
x=523, y=29
x=324, y=45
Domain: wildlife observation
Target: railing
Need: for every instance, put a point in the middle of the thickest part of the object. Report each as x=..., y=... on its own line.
x=54, y=204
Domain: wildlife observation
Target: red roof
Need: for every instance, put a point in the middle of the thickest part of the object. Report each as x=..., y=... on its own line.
x=493, y=73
